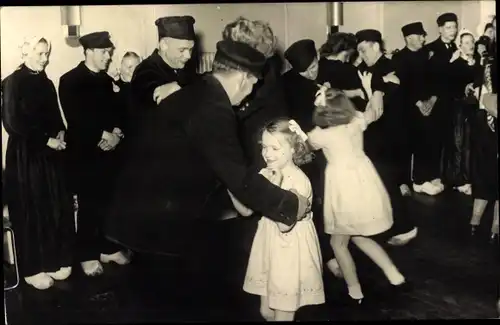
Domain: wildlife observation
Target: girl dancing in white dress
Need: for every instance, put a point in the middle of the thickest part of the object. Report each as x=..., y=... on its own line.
x=356, y=203
x=285, y=266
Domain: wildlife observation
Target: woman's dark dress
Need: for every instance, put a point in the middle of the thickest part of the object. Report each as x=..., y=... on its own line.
x=457, y=146
x=484, y=156
x=40, y=206
x=341, y=75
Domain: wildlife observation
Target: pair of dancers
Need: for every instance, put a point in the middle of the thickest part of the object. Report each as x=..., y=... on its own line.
x=285, y=264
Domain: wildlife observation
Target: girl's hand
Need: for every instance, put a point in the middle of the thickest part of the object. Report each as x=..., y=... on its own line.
x=366, y=81
x=240, y=207
x=284, y=228
x=376, y=103
x=273, y=175
x=391, y=77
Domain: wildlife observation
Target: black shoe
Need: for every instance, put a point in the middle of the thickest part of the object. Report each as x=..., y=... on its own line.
x=402, y=288
x=494, y=238
x=473, y=230
x=351, y=302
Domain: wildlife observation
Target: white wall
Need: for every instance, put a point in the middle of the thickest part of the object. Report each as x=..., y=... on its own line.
x=395, y=14
x=487, y=9
x=362, y=15
x=132, y=26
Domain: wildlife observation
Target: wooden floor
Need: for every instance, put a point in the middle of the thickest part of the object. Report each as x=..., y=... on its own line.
x=453, y=277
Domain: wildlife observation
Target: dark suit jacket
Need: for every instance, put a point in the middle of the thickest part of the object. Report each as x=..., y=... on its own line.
x=386, y=137
x=193, y=150
x=440, y=67
x=412, y=69
x=300, y=96
x=90, y=106
x=154, y=72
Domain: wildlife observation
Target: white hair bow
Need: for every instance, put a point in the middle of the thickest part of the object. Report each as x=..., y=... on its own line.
x=321, y=94
x=295, y=128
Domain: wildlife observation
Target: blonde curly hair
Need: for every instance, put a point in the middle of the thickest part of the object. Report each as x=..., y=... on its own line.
x=258, y=34
x=302, y=153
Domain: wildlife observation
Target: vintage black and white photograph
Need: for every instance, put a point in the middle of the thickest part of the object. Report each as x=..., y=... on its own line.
x=256, y=162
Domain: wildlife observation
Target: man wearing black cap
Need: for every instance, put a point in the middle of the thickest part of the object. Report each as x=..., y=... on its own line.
x=442, y=52
x=300, y=81
x=154, y=79
x=198, y=150
x=411, y=67
x=90, y=107
x=383, y=138
x=163, y=72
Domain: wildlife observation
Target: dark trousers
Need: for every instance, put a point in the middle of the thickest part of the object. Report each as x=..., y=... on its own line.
x=406, y=177
x=403, y=161
x=456, y=159
x=215, y=260
x=428, y=138
x=402, y=219
x=90, y=241
x=92, y=181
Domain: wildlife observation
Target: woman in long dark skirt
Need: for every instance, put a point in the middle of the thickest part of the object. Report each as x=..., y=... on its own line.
x=484, y=170
x=457, y=149
x=40, y=206
x=485, y=151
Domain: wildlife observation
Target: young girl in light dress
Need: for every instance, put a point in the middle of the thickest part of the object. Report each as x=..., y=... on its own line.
x=285, y=265
x=356, y=203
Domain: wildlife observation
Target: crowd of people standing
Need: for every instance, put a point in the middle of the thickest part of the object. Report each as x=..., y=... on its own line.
x=160, y=157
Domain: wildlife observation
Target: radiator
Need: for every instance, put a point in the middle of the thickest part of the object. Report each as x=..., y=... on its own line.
x=205, y=63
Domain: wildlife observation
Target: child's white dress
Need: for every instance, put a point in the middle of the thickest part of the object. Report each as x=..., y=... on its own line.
x=356, y=201
x=287, y=267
